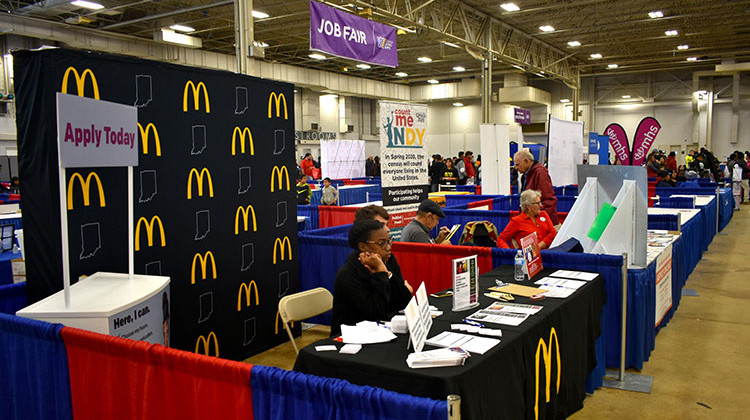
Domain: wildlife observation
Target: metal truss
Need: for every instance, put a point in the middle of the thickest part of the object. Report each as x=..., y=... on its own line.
x=479, y=33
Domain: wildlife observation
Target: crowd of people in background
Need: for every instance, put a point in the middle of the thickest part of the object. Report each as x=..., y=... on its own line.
x=458, y=170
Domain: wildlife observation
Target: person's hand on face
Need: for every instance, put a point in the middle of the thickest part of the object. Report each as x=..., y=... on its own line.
x=372, y=261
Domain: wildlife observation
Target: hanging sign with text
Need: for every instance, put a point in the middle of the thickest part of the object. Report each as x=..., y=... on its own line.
x=522, y=116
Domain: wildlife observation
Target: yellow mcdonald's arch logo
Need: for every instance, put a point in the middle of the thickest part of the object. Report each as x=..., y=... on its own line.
x=276, y=325
x=277, y=98
x=247, y=287
x=203, y=341
x=246, y=212
x=80, y=81
x=150, y=127
x=149, y=232
x=281, y=243
x=199, y=178
x=86, y=189
x=547, y=359
x=203, y=260
x=196, y=96
x=276, y=174
x=242, y=134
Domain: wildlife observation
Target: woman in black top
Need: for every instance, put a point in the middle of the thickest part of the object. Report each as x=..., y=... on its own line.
x=450, y=174
x=369, y=286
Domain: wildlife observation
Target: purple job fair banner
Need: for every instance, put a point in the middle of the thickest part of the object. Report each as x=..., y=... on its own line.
x=522, y=116
x=645, y=135
x=619, y=141
x=344, y=35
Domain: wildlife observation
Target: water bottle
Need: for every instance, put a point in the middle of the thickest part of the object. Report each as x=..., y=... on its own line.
x=518, y=272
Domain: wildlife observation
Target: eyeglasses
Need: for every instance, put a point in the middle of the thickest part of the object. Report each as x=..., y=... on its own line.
x=385, y=243
x=538, y=203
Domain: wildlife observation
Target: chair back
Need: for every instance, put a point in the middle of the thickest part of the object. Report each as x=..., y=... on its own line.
x=306, y=304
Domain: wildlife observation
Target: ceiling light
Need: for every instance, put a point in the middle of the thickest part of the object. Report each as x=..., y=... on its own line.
x=565, y=101
x=171, y=37
x=612, y=66
x=516, y=66
x=450, y=44
x=363, y=66
x=702, y=92
x=683, y=47
x=692, y=59
x=457, y=104
x=625, y=96
x=459, y=68
x=260, y=15
x=655, y=14
x=433, y=81
x=672, y=32
x=424, y=59
x=401, y=74
x=260, y=44
x=596, y=56
x=317, y=56
x=546, y=28
x=182, y=28
x=510, y=7
x=87, y=4
x=574, y=44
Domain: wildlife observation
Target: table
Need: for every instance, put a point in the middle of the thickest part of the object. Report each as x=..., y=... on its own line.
x=685, y=214
x=500, y=383
x=348, y=194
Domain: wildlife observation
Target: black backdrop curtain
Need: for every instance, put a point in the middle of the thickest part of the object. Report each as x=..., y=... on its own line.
x=203, y=212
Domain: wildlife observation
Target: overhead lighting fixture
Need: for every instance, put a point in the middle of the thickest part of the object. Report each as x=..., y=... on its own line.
x=510, y=7
x=692, y=59
x=612, y=66
x=459, y=68
x=702, y=92
x=546, y=28
x=171, y=37
x=182, y=28
x=672, y=32
x=260, y=15
x=516, y=66
x=450, y=44
x=433, y=81
x=457, y=104
x=574, y=44
x=87, y=4
x=317, y=56
x=363, y=66
x=260, y=44
x=596, y=56
x=401, y=74
x=565, y=101
x=625, y=96
x=655, y=14
x=424, y=59
x=683, y=47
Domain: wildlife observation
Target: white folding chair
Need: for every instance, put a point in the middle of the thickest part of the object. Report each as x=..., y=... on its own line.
x=304, y=305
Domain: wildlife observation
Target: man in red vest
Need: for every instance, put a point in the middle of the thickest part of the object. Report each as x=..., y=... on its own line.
x=536, y=177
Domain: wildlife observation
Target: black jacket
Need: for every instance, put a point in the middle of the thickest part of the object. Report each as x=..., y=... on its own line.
x=359, y=295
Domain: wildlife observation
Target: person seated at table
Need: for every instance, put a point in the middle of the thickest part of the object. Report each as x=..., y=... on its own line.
x=428, y=216
x=532, y=219
x=664, y=179
x=304, y=191
x=329, y=195
x=366, y=289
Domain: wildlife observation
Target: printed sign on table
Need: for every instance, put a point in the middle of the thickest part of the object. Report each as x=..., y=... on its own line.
x=335, y=32
x=531, y=254
x=403, y=153
x=418, y=318
x=465, y=283
x=92, y=132
x=663, y=284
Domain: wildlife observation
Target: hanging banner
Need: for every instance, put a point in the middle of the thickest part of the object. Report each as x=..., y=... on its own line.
x=341, y=34
x=403, y=153
x=522, y=116
x=619, y=141
x=645, y=135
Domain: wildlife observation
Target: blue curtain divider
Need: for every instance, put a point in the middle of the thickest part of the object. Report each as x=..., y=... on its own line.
x=12, y=298
x=676, y=202
x=320, y=257
x=311, y=212
x=454, y=200
x=341, y=231
x=281, y=394
x=726, y=207
x=34, y=370
x=663, y=222
x=571, y=190
x=565, y=203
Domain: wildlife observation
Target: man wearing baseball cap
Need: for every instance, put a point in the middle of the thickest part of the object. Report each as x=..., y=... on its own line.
x=418, y=230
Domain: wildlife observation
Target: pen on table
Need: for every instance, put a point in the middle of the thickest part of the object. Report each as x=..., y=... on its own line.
x=474, y=323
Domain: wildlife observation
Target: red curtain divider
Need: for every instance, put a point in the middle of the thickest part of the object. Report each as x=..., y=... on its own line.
x=355, y=182
x=431, y=264
x=481, y=203
x=329, y=216
x=561, y=215
x=117, y=378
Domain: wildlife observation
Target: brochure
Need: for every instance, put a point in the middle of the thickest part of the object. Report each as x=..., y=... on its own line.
x=531, y=254
x=465, y=283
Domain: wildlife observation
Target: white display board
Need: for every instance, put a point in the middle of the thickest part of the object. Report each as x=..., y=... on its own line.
x=495, y=150
x=342, y=158
x=565, y=150
x=663, y=285
x=582, y=214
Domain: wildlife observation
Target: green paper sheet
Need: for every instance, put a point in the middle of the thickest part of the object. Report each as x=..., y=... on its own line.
x=601, y=221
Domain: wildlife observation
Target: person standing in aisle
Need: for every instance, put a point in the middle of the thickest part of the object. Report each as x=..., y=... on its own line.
x=307, y=165
x=536, y=177
x=304, y=191
x=329, y=195
x=471, y=173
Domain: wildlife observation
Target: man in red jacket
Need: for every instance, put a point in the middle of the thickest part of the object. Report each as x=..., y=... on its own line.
x=469, y=165
x=307, y=165
x=536, y=177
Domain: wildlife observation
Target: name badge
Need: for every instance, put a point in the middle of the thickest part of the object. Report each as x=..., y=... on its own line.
x=542, y=219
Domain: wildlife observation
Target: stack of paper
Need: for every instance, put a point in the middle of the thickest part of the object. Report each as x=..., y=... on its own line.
x=366, y=332
x=437, y=358
x=469, y=343
x=561, y=288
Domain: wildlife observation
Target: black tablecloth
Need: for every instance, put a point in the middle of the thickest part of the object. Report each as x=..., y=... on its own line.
x=501, y=383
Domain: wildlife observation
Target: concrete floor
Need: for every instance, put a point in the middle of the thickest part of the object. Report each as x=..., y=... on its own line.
x=701, y=364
